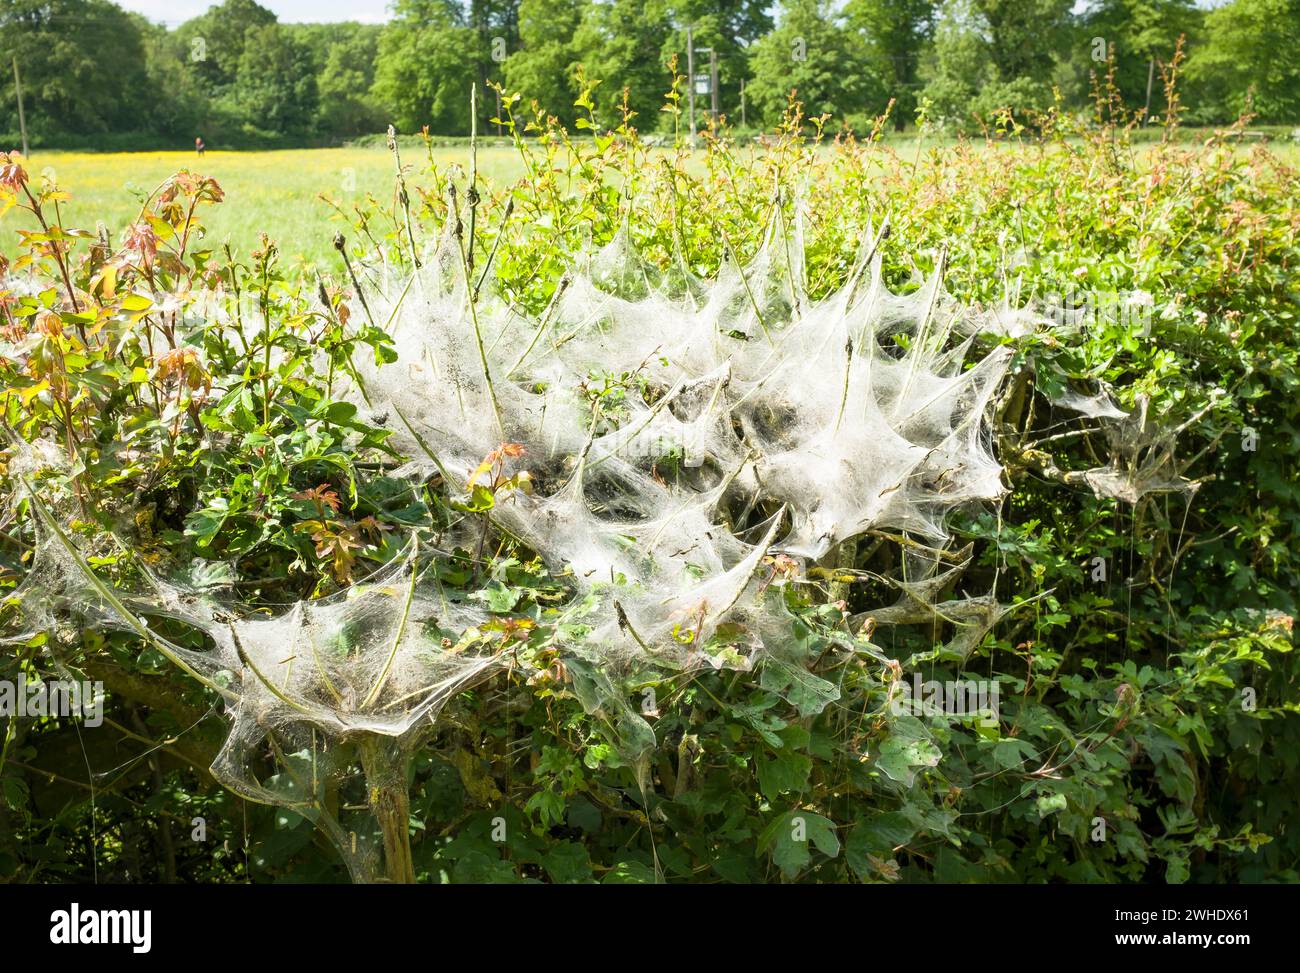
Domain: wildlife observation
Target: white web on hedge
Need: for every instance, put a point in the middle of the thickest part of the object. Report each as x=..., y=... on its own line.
x=748, y=422
x=826, y=419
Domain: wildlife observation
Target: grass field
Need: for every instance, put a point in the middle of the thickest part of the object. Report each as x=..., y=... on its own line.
x=277, y=193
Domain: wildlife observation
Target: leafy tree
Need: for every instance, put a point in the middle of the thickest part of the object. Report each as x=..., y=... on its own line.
x=1137, y=33
x=813, y=53
x=987, y=59
x=82, y=63
x=89, y=67
x=737, y=22
x=896, y=33
x=1024, y=36
x=320, y=39
x=214, y=41
x=274, y=88
x=622, y=43
x=426, y=66
x=1249, y=44
x=542, y=68
x=346, y=105
x=957, y=67
x=496, y=24
x=177, y=105
x=727, y=26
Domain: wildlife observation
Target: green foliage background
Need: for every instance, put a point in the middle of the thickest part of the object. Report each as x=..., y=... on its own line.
x=97, y=77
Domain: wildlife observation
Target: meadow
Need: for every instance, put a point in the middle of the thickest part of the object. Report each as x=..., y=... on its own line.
x=274, y=192
x=280, y=192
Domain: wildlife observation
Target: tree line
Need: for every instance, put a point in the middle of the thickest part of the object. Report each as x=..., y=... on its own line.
x=92, y=73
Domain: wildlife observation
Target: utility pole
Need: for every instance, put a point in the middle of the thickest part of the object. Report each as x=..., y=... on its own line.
x=690, y=74
x=22, y=120
x=1151, y=76
x=713, y=84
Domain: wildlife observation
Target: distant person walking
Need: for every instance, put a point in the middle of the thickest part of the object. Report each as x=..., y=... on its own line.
x=198, y=144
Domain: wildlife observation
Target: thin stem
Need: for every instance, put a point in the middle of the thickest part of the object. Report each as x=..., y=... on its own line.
x=473, y=314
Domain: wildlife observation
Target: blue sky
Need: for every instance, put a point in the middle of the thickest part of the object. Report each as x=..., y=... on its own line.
x=173, y=12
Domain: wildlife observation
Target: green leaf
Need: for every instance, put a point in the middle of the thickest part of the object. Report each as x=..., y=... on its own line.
x=500, y=599
x=791, y=837
x=782, y=772
x=807, y=693
x=905, y=750
x=566, y=862
x=204, y=524
x=15, y=792
x=1012, y=752
x=477, y=868
x=630, y=873
x=1050, y=804
x=136, y=302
